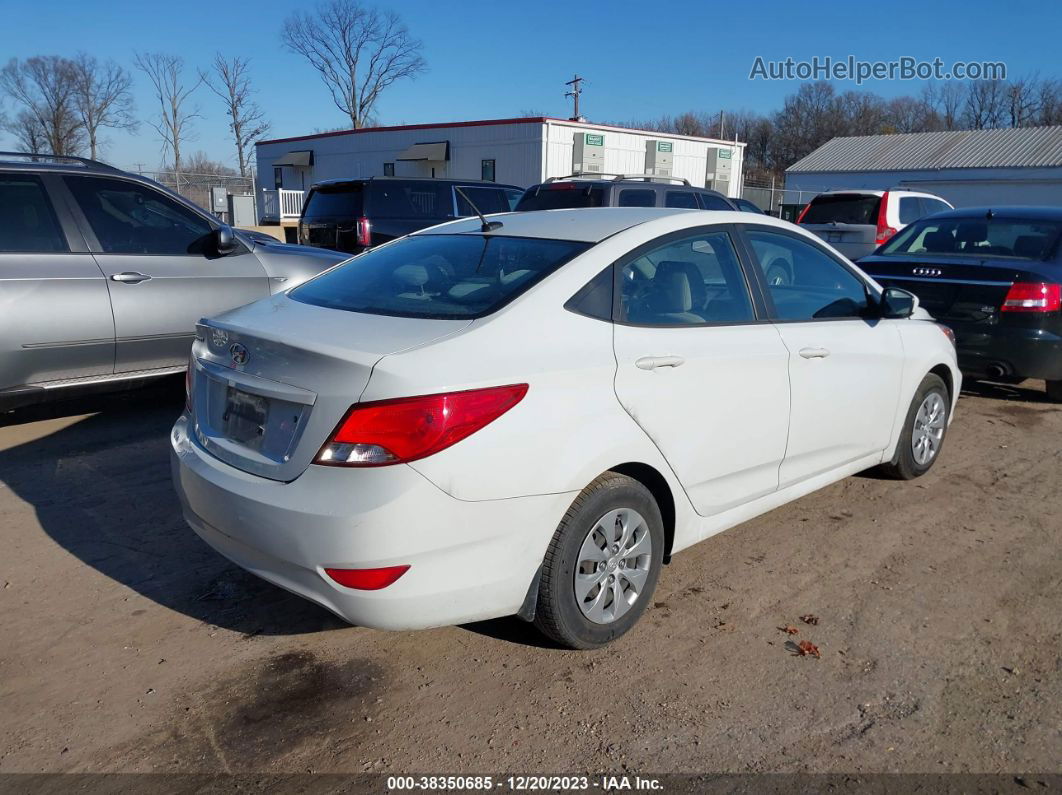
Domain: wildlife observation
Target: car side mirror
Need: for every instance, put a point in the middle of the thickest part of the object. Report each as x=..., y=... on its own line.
x=224, y=239
x=897, y=304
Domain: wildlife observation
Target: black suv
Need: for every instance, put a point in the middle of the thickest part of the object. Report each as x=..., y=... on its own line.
x=620, y=190
x=355, y=214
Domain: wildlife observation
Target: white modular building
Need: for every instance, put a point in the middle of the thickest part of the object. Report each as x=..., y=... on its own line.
x=519, y=152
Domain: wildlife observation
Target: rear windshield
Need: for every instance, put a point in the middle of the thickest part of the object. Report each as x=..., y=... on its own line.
x=561, y=196
x=977, y=237
x=439, y=276
x=399, y=199
x=334, y=201
x=843, y=208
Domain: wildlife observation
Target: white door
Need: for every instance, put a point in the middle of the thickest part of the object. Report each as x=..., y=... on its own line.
x=845, y=366
x=699, y=372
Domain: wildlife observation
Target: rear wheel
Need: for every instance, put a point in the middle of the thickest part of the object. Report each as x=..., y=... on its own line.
x=602, y=565
x=923, y=432
x=1054, y=391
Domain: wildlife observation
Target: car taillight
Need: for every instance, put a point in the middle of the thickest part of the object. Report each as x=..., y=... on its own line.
x=884, y=231
x=800, y=218
x=1033, y=297
x=404, y=429
x=367, y=579
x=364, y=232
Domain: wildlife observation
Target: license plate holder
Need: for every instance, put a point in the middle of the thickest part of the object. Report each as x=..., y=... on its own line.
x=245, y=417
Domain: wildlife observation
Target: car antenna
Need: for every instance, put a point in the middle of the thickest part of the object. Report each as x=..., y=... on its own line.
x=989, y=214
x=488, y=226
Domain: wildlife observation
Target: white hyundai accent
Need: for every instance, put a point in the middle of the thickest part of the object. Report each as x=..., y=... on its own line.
x=529, y=415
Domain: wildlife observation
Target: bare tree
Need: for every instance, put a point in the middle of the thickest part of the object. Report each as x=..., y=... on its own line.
x=44, y=87
x=1023, y=101
x=986, y=104
x=28, y=132
x=173, y=122
x=232, y=83
x=102, y=98
x=357, y=51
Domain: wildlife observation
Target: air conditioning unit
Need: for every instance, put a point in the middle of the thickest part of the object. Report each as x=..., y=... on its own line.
x=588, y=154
x=720, y=170
x=658, y=158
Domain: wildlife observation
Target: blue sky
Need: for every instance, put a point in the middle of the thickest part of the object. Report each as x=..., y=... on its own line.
x=496, y=59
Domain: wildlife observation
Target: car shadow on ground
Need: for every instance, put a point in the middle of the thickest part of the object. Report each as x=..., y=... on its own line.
x=1026, y=391
x=101, y=489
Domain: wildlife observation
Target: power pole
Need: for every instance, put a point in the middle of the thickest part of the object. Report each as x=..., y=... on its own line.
x=576, y=84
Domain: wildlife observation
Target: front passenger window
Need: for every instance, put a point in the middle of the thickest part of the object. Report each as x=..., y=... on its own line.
x=130, y=218
x=694, y=280
x=804, y=281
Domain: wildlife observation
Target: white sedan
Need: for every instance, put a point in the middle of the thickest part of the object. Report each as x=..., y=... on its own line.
x=531, y=415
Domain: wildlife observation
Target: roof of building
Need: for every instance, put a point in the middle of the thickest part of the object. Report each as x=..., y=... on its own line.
x=1022, y=147
x=490, y=122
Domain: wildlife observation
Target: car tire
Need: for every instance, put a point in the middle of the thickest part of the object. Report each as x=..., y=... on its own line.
x=924, y=431
x=1054, y=391
x=588, y=594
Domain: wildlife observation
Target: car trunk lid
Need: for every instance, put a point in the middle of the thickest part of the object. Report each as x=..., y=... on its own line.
x=271, y=380
x=852, y=240
x=969, y=290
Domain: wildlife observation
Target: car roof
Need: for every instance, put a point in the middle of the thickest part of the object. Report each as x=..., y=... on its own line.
x=1023, y=212
x=478, y=183
x=602, y=182
x=594, y=224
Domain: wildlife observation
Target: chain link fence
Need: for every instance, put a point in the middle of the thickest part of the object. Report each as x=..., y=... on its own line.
x=199, y=188
x=773, y=199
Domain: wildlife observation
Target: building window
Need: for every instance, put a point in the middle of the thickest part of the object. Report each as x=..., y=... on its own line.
x=486, y=171
x=278, y=177
x=389, y=169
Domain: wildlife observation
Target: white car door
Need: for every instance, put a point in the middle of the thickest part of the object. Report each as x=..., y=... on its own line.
x=699, y=369
x=845, y=366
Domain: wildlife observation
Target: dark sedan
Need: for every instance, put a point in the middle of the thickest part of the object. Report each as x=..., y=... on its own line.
x=993, y=276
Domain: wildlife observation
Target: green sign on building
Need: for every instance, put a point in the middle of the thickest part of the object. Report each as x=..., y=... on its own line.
x=663, y=146
x=595, y=140
x=725, y=154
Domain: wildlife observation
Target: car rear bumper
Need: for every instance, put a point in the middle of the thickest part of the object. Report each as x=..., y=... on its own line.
x=468, y=560
x=995, y=351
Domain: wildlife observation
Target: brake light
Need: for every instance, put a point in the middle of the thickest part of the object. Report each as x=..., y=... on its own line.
x=405, y=429
x=367, y=579
x=364, y=232
x=564, y=186
x=1033, y=297
x=884, y=231
x=800, y=218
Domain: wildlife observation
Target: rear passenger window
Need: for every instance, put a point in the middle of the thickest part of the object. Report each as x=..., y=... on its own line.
x=637, y=197
x=910, y=209
x=694, y=280
x=488, y=200
x=681, y=198
x=29, y=223
x=804, y=281
x=711, y=202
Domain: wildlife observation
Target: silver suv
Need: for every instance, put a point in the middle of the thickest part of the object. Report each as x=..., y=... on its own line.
x=103, y=276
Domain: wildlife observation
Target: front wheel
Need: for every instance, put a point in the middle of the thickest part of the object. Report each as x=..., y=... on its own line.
x=602, y=565
x=923, y=432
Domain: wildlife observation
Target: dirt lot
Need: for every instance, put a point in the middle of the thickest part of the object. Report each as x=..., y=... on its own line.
x=128, y=645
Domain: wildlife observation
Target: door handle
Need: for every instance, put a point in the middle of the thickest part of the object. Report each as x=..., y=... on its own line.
x=814, y=353
x=652, y=362
x=130, y=277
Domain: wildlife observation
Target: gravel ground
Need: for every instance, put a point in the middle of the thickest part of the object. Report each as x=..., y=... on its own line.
x=128, y=645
